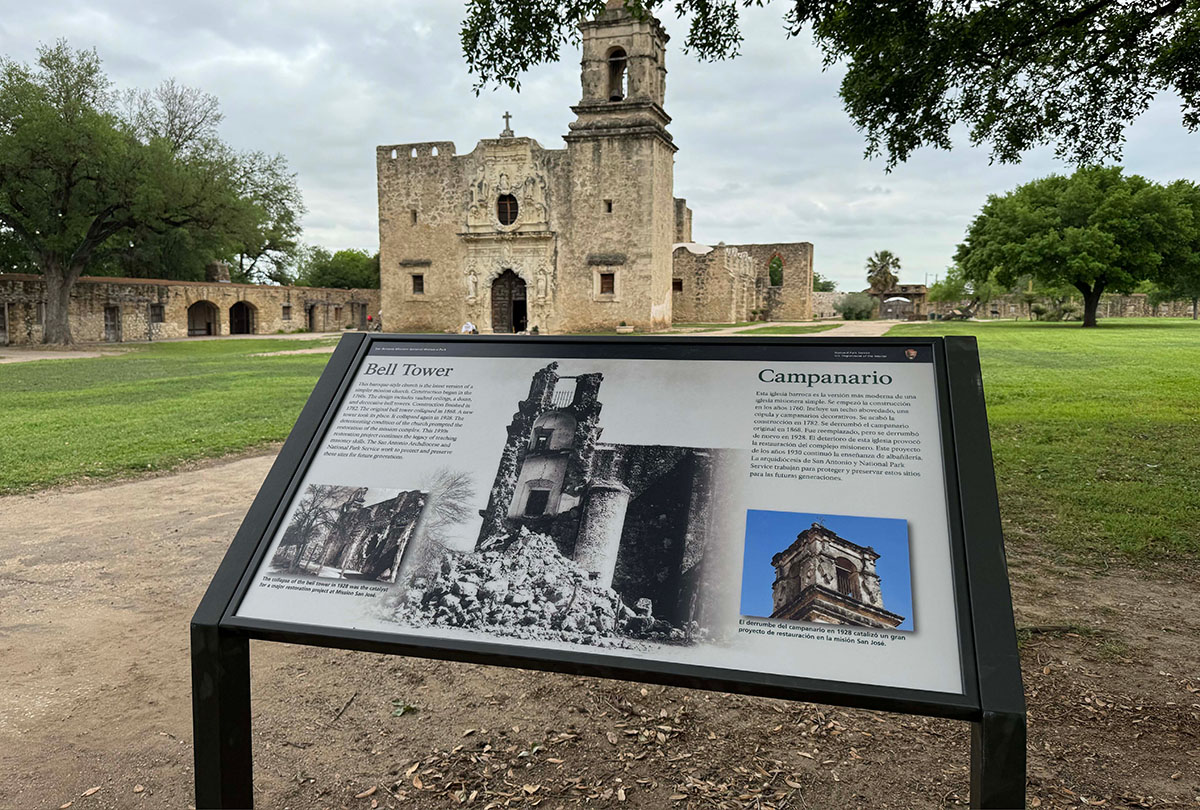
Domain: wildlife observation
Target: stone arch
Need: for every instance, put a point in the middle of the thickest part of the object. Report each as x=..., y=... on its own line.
x=847, y=578
x=243, y=318
x=618, y=72
x=508, y=296
x=203, y=318
x=775, y=270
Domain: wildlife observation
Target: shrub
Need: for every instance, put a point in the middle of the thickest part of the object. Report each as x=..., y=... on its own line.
x=856, y=307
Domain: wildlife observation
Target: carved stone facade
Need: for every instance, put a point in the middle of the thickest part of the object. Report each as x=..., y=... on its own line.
x=825, y=578
x=513, y=236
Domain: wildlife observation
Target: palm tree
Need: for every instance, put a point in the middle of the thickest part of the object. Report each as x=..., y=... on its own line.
x=882, y=269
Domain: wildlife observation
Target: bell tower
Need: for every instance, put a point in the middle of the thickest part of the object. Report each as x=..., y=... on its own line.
x=624, y=75
x=622, y=162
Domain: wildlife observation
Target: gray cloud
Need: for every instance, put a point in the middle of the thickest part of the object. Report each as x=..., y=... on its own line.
x=766, y=151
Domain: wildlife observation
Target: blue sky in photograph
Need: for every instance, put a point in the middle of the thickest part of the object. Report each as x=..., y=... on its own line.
x=768, y=533
x=766, y=150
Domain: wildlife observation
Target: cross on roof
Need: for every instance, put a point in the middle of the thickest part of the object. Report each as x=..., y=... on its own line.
x=507, y=133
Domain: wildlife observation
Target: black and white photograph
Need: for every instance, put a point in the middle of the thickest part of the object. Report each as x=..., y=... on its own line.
x=342, y=532
x=581, y=541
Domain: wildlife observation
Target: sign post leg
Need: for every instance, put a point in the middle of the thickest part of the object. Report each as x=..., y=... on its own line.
x=998, y=761
x=221, y=718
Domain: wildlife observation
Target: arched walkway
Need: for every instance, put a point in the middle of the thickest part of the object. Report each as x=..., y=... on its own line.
x=203, y=319
x=242, y=319
x=509, y=311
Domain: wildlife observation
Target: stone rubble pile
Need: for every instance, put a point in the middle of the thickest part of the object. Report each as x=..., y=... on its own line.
x=527, y=590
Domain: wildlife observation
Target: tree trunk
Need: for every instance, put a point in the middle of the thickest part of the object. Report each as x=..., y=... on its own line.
x=1091, y=301
x=57, y=326
x=1195, y=301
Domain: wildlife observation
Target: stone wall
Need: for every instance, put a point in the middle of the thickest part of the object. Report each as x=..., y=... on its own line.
x=127, y=309
x=792, y=300
x=713, y=284
x=823, y=304
x=1136, y=305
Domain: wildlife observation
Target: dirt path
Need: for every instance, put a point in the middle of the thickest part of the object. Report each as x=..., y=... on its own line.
x=97, y=586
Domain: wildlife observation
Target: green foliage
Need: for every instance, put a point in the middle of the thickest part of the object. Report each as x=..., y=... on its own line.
x=401, y=707
x=775, y=271
x=347, y=269
x=822, y=284
x=151, y=408
x=882, y=268
x=1095, y=434
x=1179, y=277
x=956, y=287
x=856, y=306
x=14, y=256
x=1098, y=230
x=1070, y=72
x=132, y=184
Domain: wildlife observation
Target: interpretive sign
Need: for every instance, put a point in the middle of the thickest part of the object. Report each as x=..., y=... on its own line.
x=808, y=519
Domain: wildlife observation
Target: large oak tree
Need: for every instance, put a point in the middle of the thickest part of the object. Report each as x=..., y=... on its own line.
x=88, y=176
x=1098, y=230
x=1016, y=73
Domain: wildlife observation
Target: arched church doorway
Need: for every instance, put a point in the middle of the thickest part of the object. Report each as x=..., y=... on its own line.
x=203, y=319
x=509, y=313
x=241, y=319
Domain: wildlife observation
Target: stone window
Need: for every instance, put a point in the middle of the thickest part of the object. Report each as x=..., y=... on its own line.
x=156, y=313
x=287, y=312
x=608, y=283
x=418, y=284
x=535, y=504
x=413, y=214
x=676, y=285
x=337, y=315
x=541, y=438
x=608, y=206
x=617, y=62
x=506, y=209
x=775, y=270
x=847, y=578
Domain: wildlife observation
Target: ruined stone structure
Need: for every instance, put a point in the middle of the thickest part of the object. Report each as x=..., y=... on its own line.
x=825, y=578
x=513, y=235
x=636, y=517
x=824, y=303
x=902, y=302
x=360, y=541
x=1135, y=305
x=131, y=309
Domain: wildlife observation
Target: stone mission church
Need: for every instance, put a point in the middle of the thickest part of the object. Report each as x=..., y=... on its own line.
x=513, y=236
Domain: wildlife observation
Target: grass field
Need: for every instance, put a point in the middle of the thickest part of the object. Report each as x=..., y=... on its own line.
x=147, y=409
x=1095, y=433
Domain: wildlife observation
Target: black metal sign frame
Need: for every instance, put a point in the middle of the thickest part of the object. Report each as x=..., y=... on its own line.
x=992, y=699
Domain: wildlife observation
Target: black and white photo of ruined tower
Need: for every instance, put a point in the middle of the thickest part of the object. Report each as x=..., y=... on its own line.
x=825, y=578
x=341, y=532
x=585, y=541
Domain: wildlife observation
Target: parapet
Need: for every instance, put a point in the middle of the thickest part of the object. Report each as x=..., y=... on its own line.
x=409, y=151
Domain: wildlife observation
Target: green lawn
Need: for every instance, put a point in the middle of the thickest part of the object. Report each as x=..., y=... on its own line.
x=790, y=330
x=1095, y=432
x=147, y=409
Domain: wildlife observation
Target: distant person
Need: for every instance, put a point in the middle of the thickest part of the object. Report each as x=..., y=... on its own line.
x=468, y=328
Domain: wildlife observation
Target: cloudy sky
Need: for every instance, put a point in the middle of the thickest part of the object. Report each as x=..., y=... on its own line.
x=766, y=153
